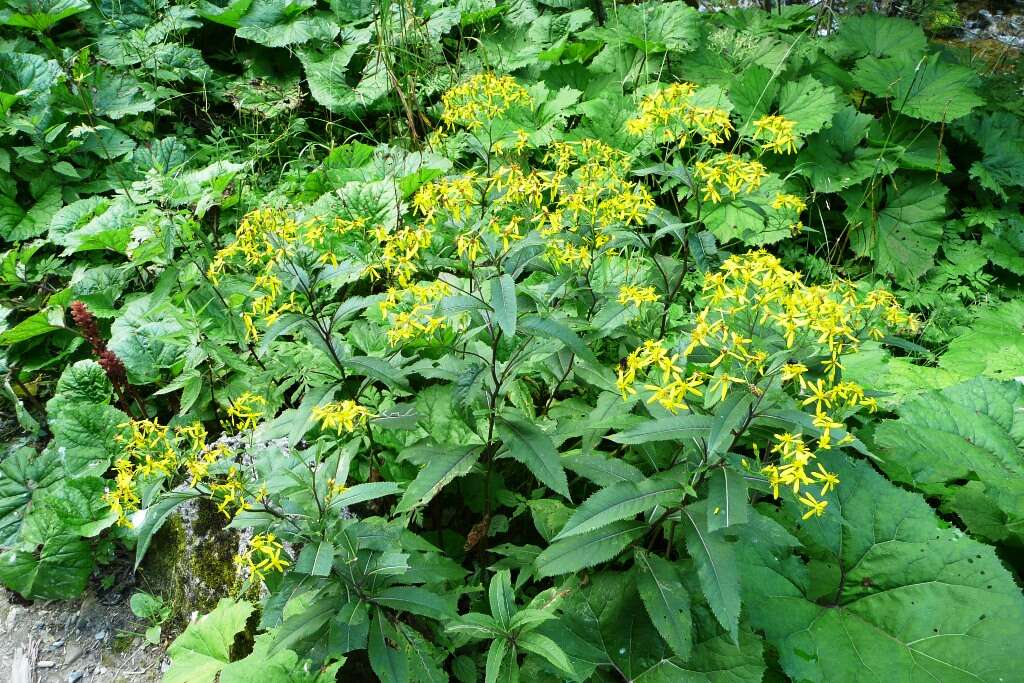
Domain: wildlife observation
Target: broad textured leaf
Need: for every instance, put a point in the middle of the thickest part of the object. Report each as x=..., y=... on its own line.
x=666, y=600
x=993, y=346
x=809, y=103
x=972, y=431
x=925, y=89
x=621, y=501
x=888, y=592
x=902, y=231
x=876, y=35
x=204, y=649
x=528, y=444
x=587, y=550
x=40, y=14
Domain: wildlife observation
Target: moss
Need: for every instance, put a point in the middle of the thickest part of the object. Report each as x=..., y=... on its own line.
x=190, y=562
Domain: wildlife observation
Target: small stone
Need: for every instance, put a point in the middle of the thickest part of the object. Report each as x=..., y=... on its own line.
x=100, y=635
x=46, y=664
x=73, y=652
x=75, y=677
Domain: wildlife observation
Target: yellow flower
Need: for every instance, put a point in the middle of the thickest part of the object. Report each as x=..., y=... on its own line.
x=246, y=411
x=481, y=98
x=828, y=480
x=816, y=508
x=631, y=294
x=343, y=416
x=776, y=133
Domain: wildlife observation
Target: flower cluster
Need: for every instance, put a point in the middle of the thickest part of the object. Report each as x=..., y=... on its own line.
x=636, y=295
x=262, y=556
x=664, y=377
x=148, y=450
x=343, y=416
x=245, y=412
x=728, y=175
x=670, y=114
x=410, y=313
x=775, y=133
x=481, y=98
x=758, y=322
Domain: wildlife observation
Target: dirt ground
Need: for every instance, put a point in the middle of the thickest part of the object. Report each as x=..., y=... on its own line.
x=89, y=640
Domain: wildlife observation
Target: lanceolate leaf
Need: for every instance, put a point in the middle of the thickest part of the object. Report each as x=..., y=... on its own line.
x=684, y=427
x=666, y=600
x=443, y=466
x=727, y=499
x=621, y=501
x=553, y=329
x=532, y=447
x=503, y=301
x=715, y=560
x=587, y=550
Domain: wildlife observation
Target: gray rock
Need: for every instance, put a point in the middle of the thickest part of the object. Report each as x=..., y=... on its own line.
x=75, y=677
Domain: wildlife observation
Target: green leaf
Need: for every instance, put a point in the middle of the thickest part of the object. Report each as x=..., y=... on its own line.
x=415, y=600
x=51, y=563
x=39, y=15
x=501, y=598
x=444, y=465
x=280, y=23
x=503, y=301
x=552, y=329
x=544, y=647
x=809, y=103
x=882, y=590
x=94, y=223
x=87, y=432
x=527, y=444
x=495, y=657
x=972, y=431
x=924, y=88
x=666, y=600
x=876, y=35
x=621, y=501
x=33, y=326
x=727, y=499
x=902, y=231
x=154, y=518
x=307, y=622
x=84, y=381
x=228, y=15
x=715, y=560
x=259, y=665
x=589, y=549
x=389, y=664
x=204, y=648
x=684, y=427
x=148, y=337
x=992, y=347
x=33, y=222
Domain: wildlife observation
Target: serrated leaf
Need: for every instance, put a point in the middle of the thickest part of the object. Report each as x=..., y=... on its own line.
x=925, y=89
x=882, y=591
x=972, y=431
x=715, y=560
x=528, y=444
x=503, y=301
x=587, y=550
x=204, y=649
x=621, y=501
x=445, y=465
x=902, y=231
x=413, y=599
x=666, y=600
x=684, y=427
x=390, y=665
x=727, y=499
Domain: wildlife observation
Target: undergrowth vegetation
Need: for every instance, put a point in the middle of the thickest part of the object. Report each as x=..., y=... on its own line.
x=543, y=340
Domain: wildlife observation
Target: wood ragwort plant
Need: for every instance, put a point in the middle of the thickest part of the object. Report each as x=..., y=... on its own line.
x=621, y=367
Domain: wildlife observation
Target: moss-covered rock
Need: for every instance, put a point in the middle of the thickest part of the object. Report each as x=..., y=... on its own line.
x=190, y=561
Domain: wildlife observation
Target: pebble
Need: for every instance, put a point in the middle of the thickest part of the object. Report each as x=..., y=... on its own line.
x=46, y=664
x=75, y=677
x=100, y=635
x=72, y=653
